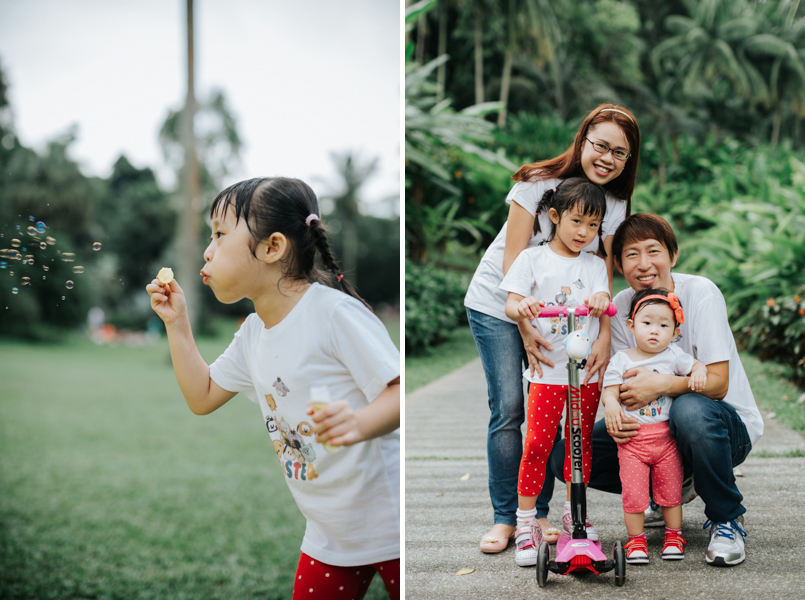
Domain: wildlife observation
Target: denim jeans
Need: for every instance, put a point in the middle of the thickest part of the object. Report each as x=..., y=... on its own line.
x=504, y=359
x=712, y=439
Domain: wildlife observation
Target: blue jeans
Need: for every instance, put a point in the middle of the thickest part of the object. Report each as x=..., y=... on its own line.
x=712, y=439
x=504, y=359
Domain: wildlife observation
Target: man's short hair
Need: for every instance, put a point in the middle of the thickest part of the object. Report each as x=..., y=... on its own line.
x=640, y=227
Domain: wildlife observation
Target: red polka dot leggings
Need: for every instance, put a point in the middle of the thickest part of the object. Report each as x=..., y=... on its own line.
x=652, y=451
x=545, y=406
x=316, y=580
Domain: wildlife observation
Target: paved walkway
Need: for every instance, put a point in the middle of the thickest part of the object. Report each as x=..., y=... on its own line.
x=446, y=514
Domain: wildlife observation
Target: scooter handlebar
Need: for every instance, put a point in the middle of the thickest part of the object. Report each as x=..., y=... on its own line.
x=556, y=311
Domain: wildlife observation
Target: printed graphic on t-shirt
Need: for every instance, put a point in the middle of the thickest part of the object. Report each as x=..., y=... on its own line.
x=281, y=388
x=559, y=324
x=655, y=407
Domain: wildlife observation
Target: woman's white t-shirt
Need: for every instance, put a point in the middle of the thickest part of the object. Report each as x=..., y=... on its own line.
x=542, y=273
x=484, y=293
x=671, y=361
x=350, y=497
x=705, y=335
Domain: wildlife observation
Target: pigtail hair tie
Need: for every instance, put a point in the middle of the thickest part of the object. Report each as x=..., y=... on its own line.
x=340, y=277
x=312, y=217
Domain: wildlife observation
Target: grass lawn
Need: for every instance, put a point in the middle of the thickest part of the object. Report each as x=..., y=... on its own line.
x=112, y=488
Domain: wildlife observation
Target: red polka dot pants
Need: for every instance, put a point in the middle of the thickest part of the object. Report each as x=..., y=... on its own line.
x=316, y=580
x=545, y=406
x=652, y=451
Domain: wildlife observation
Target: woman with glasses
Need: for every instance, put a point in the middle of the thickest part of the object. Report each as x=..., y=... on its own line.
x=606, y=151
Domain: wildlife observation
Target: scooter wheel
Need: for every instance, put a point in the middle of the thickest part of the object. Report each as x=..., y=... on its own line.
x=620, y=564
x=543, y=556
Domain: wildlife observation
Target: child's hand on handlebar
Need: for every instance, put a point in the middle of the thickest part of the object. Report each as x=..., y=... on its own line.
x=597, y=303
x=529, y=308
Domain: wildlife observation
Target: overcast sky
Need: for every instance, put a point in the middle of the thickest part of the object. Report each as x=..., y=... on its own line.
x=304, y=78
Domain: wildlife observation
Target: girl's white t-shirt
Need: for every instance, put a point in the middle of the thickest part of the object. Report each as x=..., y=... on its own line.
x=671, y=361
x=542, y=273
x=350, y=497
x=705, y=335
x=484, y=293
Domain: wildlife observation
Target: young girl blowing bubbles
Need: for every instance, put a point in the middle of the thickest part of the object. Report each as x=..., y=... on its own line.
x=655, y=316
x=556, y=273
x=304, y=340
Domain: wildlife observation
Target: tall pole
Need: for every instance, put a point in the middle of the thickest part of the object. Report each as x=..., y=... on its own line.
x=190, y=259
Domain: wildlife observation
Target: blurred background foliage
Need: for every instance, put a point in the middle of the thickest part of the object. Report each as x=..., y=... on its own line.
x=718, y=87
x=134, y=219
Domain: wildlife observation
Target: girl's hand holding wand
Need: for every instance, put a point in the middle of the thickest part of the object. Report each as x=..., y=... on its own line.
x=167, y=300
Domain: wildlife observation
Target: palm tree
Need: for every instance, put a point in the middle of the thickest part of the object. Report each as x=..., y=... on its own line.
x=781, y=45
x=703, y=51
x=531, y=30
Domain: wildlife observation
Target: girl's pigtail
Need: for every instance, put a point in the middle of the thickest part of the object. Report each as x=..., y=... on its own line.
x=330, y=263
x=545, y=203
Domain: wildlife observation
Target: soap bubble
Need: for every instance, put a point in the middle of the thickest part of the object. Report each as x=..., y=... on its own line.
x=29, y=258
x=14, y=290
x=40, y=227
x=31, y=218
x=69, y=285
x=78, y=269
x=50, y=240
x=68, y=256
x=14, y=255
x=96, y=246
x=18, y=227
x=26, y=281
x=43, y=245
x=45, y=267
x=32, y=230
x=62, y=297
x=5, y=252
x=15, y=243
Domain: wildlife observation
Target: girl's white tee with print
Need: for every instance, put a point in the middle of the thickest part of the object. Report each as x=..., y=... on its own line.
x=350, y=496
x=706, y=335
x=671, y=361
x=484, y=294
x=542, y=273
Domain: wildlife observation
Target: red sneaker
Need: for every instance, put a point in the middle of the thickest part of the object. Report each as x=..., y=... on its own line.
x=637, y=551
x=673, y=547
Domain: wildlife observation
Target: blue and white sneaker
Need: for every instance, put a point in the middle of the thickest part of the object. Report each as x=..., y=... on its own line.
x=726, y=546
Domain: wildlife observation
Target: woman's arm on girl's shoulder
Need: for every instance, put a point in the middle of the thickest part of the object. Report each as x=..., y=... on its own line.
x=519, y=226
x=339, y=425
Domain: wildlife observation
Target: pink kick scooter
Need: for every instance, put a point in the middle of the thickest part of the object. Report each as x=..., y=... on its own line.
x=577, y=553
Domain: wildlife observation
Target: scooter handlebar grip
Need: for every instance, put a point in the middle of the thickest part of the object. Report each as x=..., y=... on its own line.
x=556, y=311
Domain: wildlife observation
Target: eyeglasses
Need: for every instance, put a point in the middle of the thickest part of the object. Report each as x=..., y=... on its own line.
x=603, y=148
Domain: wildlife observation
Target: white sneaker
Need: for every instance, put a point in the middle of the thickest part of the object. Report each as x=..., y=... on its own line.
x=726, y=546
x=567, y=527
x=527, y=538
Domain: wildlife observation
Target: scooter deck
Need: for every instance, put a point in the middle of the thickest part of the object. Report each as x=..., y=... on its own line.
x=579, y=554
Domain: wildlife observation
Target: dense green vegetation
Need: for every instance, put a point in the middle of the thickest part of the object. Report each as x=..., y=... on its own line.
x=718, y=88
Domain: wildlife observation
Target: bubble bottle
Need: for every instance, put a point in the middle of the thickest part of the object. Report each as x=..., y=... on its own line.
x=319, y=398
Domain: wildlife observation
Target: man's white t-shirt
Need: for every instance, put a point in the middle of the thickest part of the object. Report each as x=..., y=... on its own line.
x=671, y=361
x=350, y=497
x=542, y=273
x=706, y=335
x=484, y=293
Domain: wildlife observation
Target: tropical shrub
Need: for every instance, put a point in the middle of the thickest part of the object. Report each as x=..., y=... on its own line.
x=434, y=304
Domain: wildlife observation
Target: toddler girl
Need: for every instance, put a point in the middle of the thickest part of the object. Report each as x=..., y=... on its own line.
x=304, y=339
x=557, y=272
x=655, y=316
